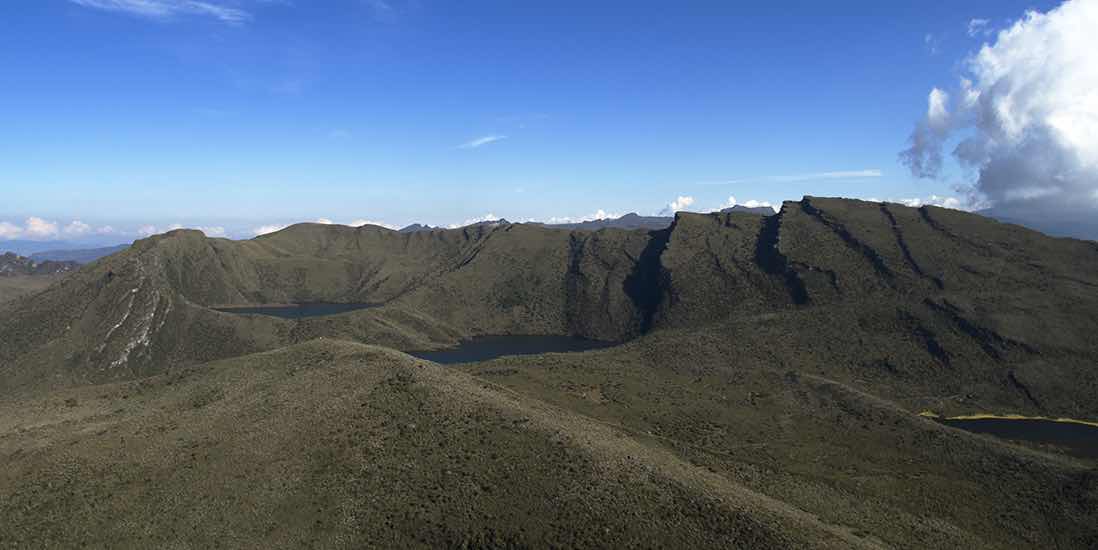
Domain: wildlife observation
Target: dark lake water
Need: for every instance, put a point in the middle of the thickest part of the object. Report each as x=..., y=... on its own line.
x=297, y=311
x=1075, y=439
x=483, y=348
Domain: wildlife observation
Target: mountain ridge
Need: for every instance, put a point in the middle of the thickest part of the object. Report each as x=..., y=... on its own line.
x=436, y=288
x=12, y=264
x=777, y=362
x=78, y=255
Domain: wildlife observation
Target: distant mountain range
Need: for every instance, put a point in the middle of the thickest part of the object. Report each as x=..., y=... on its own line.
x=1051, y=224
x=12, y=265
x=636, y=221
x=631, y=220
x=78, y=255
x=628, y=221
x=416, y=227
x=28, y=248
x=760, y=210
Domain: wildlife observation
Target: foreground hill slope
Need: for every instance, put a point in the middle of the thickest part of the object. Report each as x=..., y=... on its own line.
x=343, y=445
x=820, y=437
x=338, y=444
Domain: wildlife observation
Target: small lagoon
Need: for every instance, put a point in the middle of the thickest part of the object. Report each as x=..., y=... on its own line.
x=1070, y=437
x=484, y=348
x=295, y=311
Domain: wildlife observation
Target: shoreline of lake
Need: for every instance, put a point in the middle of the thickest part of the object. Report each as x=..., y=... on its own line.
x=489, y=347
x=295, y=311
x=1008, y=416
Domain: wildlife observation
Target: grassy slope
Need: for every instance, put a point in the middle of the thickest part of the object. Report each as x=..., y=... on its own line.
x=344, y=445
x=23, y=285
x=144, y=309
x=789, y=355
x=975, y=315
x=818, y=439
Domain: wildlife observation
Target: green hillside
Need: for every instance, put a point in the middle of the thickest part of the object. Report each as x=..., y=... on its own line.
x=765, y=394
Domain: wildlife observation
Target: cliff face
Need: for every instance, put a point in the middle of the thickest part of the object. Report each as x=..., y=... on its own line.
x=983, y=301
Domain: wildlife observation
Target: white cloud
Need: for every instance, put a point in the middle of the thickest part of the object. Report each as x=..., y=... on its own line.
x=969, y=94
x=360, y=223
x=934, y=200
x=599, y=214
x=271, y=228
x=1028, y=121
x=931, y=43
x=867, y=173
x=37, y=228
x=480, y=219
x=924, y=157
x=9, y=231
x=265, y=229
x=209, y=231
x=379, y=5
x=835, y=175
x=814, y=176
x=680, y=203
x=382, y=11
x=40, y=229
x=748, y=204
x=937, y=111
x=480, y=142
x=77, y=227
x=978, y=26
x=168, y=9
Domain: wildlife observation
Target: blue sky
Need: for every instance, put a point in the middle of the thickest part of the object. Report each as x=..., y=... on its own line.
x=245, y=114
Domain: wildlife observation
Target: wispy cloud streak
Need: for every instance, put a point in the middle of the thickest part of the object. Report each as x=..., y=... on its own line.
x=481, y=142
x=167, y=9
x=817, y=176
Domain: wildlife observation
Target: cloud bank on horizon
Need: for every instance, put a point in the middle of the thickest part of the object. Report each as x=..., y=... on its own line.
x=35, y=228
x=1024, y=117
